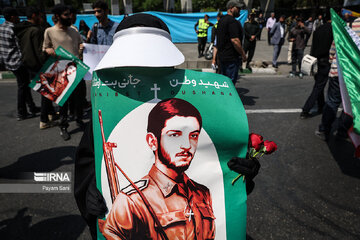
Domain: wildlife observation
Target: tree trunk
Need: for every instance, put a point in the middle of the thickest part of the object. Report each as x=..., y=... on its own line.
x=128, y=6
x=186, y=5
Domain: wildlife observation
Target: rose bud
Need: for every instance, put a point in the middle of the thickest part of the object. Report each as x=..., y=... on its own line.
x=255, y=141
x=270, y=147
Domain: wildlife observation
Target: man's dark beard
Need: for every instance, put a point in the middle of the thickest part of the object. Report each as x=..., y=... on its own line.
x=65, y=21
x=169, y=165
x=236, y=14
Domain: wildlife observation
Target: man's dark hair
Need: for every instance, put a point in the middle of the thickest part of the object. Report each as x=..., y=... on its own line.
x=72, y=10
x=206, y=16
x=59, y=9
x=167, y=109
x=100, y=4
x=8, y=12
x=32, y=10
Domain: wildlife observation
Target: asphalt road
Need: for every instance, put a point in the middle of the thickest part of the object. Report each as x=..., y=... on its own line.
x=308, y=189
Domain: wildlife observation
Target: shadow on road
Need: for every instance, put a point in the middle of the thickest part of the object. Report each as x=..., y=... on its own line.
x=343, y=153
x=59, y=228
x=246, y=100
x=248, y=237
x=43, y=161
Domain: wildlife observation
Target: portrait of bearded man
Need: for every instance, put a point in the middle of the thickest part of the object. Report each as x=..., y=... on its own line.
x=182, y=206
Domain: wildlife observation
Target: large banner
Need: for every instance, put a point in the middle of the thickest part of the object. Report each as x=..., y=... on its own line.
x=181, y=25
x=59, y=76
x=347, y=44
x=162, y=140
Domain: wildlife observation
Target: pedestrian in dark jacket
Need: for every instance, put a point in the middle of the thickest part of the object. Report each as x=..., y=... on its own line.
x=31, y=37
x=261, y=21
x=252, y=30
x=298, y=35
x=11, y=57
x=320, y=47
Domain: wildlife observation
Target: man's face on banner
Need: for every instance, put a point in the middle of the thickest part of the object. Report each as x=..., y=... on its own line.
x=179, y=139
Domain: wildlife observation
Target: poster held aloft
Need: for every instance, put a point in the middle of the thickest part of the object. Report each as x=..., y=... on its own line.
x=169, y=134
x=126, y=97
x=59, y=76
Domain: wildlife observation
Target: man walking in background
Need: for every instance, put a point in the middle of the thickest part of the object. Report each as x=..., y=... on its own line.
x=11, y=57
x=229, y=38
x=269, y=25
x=202, y=33
x=277, y=35
x=67, y=37
x=252, y=30
x=298, y=35
x=321, y=43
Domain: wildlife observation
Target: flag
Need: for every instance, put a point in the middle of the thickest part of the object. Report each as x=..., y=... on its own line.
x=352, y=13
x=347, y=44
x=59, y=76
x=131, y=107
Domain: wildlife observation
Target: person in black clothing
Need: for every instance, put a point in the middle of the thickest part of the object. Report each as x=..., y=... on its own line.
x=252, y=30
x=261, y=22
x=229, y=38
x=321, y=43
x=31, y=37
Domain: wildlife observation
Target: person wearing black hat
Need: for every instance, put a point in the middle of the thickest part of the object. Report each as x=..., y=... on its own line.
x=229, y=38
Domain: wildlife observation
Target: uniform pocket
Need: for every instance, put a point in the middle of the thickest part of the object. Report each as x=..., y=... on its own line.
x=206, y=211
x=169, y=218
x=208, y=220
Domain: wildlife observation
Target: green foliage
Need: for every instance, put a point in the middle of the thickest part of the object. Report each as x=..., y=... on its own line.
x=213, y=5
x=209, y=9
x=152, y=5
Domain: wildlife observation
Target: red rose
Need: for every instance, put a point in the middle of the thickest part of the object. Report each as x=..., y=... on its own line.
x=270, y=147
x=255, y=141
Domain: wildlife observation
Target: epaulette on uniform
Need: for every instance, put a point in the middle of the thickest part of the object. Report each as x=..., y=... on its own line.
x=141, y=184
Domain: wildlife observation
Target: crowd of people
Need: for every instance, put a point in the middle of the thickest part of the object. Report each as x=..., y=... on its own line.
x=235, y=44
x=25, y=46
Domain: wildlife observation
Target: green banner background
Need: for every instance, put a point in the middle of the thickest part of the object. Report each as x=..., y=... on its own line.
x=119, y=91
x=348, y=56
